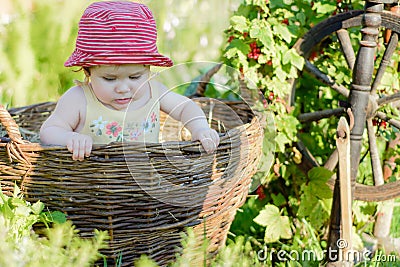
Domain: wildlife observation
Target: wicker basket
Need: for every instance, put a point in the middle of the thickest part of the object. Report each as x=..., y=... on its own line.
x=144, y=195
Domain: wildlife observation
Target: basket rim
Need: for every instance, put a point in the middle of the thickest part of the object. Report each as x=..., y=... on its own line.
x=37, y=146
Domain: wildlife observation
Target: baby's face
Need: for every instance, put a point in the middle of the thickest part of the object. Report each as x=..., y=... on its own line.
x=117, y=85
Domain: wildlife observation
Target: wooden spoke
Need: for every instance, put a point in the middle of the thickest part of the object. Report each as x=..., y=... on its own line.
x=377, y=193
x=322, y=114
x=388, y=99
x=373, y=193
x=373, y=150
x=390, y=49
x=322, y=77
x=333, y=160
x=347, y=48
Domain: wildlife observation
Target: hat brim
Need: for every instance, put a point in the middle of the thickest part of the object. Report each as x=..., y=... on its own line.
x=82, y=59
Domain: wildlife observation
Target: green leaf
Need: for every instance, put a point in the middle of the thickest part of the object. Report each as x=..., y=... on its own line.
x=320, y=174
x=17, y=191
x=271, y=234
x=145, y=261
x=315, y=204
x=239, y=23
x=301, y=17
x=261, y=31
x=269, y=215
x=262, y=59
x=16, y=202
x=55, y=216
x=286, y=232
x=324, y=8
x=277, y=226
x=307, y=204
x=280, y=74
x=268, y=149
x=22, y=211
x=363, y=211
x=281, y=141
x=320, y=189
x=318, y=216
x=240, y=46
x=279, y=199
x=318, y=177
x=37, y=207
x=289, y=126
x=292, y=57
x=283, y=32
x=276, y=3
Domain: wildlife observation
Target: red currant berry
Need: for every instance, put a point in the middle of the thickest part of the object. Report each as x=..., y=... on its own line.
x=265, y=104
x=271, y=96
x=260, y=193
x=313, y=55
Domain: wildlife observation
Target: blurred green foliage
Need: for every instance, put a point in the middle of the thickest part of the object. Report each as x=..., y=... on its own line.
x=34, y=44
x=36, y=39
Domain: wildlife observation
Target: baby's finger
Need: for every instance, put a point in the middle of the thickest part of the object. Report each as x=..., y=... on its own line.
x=78, y=150
x=208, y=144
x=75, y=149
x=70, y=146
x=215, y=138
x=88, y=148
x=81, y=150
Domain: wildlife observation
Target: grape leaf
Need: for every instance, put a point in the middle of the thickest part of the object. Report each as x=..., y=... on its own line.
x=277, y=226
x=239, y=23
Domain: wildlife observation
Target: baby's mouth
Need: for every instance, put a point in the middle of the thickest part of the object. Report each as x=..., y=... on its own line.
x=123, y=101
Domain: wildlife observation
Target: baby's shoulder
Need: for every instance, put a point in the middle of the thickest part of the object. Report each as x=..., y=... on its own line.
x=75, y=92
x=74, y=96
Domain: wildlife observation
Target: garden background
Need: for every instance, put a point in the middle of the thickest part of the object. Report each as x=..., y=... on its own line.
x=289, y=210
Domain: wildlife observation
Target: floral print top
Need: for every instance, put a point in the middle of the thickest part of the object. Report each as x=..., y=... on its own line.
x=105, y=125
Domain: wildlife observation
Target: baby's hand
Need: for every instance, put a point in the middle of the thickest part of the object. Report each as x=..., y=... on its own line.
x=208, y=137
x=80, y=145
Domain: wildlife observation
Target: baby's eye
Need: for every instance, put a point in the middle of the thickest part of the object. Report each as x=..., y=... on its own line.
x=134, y=77
x=109, y=78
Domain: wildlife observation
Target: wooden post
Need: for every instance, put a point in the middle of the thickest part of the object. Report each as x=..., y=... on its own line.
x=340, y=251
x=334, y=226
x=343, y=145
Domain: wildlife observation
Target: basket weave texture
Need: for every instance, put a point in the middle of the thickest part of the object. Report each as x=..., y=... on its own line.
x=143, y=194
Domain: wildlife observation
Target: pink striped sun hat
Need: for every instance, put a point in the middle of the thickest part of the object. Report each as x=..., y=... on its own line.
x=113, y=32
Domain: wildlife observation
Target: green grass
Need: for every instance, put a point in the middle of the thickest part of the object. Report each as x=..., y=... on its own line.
x=395, y=227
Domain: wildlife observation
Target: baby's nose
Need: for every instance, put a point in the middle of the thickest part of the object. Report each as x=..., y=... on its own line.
x=122, y=88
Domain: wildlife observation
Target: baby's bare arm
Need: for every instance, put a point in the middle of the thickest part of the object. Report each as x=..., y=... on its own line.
x=191, y=115
x=59, y=128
